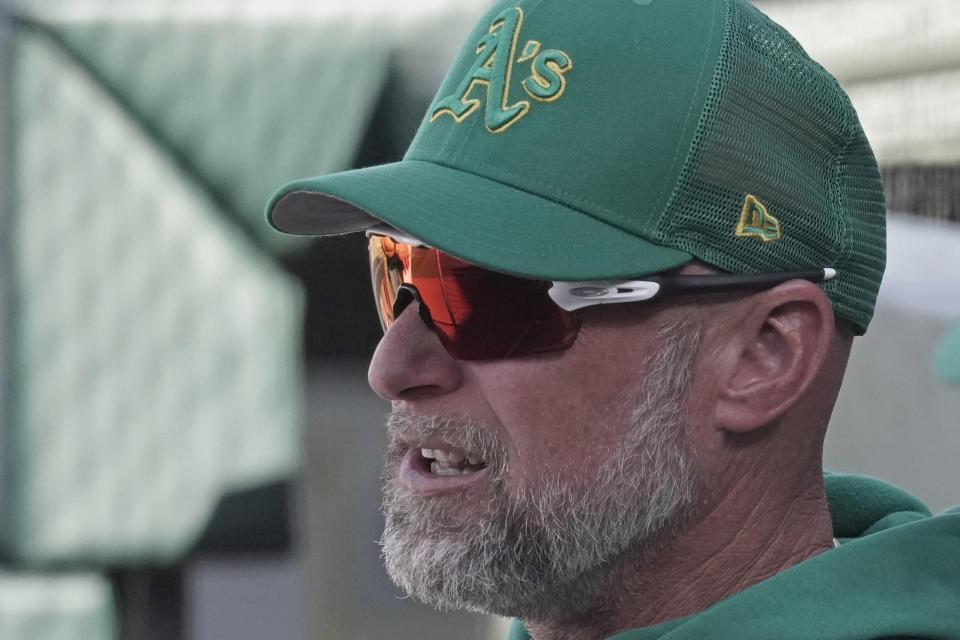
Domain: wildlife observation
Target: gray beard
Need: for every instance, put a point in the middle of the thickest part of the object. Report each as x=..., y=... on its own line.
x=552, y=549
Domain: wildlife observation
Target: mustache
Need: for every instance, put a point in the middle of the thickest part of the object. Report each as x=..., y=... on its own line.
x=461, y=432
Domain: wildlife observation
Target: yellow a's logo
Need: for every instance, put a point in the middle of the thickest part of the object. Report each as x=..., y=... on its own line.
x=493, y=68
x=756, y=222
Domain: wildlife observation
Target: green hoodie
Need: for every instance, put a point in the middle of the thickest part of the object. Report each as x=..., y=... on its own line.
x=896, y=575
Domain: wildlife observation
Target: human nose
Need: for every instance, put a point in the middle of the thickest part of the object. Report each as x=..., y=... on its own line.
x=410, y=363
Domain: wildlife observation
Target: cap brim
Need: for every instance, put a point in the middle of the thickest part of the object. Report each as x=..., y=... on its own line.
x=476, y=219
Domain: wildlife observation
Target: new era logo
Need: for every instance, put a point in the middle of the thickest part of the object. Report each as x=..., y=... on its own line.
x=756, y=222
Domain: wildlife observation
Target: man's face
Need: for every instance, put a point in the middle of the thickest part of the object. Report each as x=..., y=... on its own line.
x=538, y=471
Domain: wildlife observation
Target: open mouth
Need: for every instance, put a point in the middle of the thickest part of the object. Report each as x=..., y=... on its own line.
x=443, y=462
x=437, y=468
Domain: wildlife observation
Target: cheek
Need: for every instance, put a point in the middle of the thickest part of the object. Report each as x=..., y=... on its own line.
x=562, y=415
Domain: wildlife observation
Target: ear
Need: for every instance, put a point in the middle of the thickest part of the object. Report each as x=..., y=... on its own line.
x=775, y=352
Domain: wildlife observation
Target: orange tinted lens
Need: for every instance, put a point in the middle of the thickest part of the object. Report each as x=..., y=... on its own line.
x=477, y=313
x=387, y=267
x=394, y=263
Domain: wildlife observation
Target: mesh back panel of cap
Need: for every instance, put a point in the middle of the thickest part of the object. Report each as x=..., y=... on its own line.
x=778, y=127
x=861, y=192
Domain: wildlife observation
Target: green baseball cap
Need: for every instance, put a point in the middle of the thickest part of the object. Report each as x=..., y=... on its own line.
x=575, y=140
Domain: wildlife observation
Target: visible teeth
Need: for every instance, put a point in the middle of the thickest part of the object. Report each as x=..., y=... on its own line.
x=447, y=457
x=443, y=470
x=448, y=463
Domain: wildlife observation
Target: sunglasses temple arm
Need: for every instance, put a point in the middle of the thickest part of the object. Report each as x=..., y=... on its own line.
x=693, y=284
x=571, y=296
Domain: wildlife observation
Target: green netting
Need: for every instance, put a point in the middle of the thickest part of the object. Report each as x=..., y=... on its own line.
x=153, y=347
x=65, y=607
x=946, y=362
x=774, y=108
x=241, y=106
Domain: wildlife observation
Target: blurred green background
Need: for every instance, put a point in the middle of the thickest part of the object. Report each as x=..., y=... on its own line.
x=187, y=445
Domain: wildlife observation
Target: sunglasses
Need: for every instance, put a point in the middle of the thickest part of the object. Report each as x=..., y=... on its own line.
x=479, y=314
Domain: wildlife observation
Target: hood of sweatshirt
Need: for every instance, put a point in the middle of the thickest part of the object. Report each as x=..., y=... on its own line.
x=896, y=574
